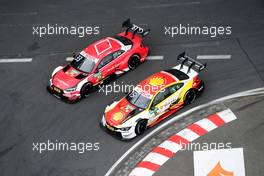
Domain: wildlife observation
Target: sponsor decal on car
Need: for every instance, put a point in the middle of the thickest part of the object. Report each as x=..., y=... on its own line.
x=118, y=116
x=128, y=108
x=157, y=81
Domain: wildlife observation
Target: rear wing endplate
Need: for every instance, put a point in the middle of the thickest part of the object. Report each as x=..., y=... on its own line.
x=135, y=29
x=190, y=62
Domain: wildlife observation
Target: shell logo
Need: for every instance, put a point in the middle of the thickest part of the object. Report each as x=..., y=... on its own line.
x=118, y=116
x=156, y=81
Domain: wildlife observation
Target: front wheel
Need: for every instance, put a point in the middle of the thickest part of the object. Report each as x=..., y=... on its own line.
x=86, y=89
x=141, y=127
x=134, y=62
x=189, y=96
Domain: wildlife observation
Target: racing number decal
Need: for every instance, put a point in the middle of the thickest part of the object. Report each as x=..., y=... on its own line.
x=78, y=58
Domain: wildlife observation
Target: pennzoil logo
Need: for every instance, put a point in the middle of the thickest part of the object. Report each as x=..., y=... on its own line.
x=118, y=116
x=218, y=170
x=156, y=81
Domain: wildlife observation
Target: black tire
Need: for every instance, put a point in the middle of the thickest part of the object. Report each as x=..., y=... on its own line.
x=190, y=96
x=86, y=89
x=141, y=127
x=134, y=62
x=111, y=78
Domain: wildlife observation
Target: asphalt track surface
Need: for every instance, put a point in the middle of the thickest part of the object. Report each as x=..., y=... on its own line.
x=29, y=114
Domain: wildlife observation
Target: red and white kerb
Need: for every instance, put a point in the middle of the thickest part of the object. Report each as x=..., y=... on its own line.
x=162, y=153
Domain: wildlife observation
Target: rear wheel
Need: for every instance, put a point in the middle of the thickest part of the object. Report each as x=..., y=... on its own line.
x=141, y=127
x=134, y=61
x=86, y=89
x=189, y=96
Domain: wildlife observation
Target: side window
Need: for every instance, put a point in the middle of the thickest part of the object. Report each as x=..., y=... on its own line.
x=116, y=54
x=175, y=87
x=161, y=96
x=105, y=61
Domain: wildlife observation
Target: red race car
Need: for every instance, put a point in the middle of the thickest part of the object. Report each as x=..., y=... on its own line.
x=99, y=62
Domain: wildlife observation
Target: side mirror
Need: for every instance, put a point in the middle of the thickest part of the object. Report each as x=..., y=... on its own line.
x=74, y=55
x=96, y=70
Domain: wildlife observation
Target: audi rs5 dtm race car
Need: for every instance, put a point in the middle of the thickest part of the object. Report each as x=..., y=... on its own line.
x=154, y=99
x=99, y=61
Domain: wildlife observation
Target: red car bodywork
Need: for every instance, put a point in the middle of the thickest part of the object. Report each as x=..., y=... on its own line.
x=120, y=51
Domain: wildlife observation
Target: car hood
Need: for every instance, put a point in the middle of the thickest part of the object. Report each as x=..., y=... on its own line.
x=67, y=77
x=122, y=110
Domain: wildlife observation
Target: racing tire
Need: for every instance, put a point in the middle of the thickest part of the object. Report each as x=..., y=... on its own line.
x=201, y=89
x=133, y=61
x=190, y=96
x=141, y=127
x=86, y=89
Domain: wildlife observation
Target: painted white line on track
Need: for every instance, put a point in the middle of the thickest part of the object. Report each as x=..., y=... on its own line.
x=15, y=60
x=155, y=58
x=168, y=5
x=171, y=146
x=188, y=134
x=19, y=13
x=142, y=171
x=148, y=58
x=206, y=124
x=200, y=44
x=228, y=56
x=156, y=158
x=256, y=91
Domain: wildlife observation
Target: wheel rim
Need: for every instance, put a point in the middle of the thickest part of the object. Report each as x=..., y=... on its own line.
x=86, y=90
x=141, y=128
x=190, y=97
x=134, y=62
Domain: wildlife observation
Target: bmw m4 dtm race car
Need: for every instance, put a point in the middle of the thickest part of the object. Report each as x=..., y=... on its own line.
x=154, y=99
x=98, y=62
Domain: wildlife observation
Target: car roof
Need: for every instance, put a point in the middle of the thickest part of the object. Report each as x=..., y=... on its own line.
x=156, y=82
x=102, y=48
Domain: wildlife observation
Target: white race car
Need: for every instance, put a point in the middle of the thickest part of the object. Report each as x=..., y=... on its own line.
x=154, y=99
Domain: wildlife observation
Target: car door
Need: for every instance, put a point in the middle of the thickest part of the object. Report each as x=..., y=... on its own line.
x=175, y=91
x=105, y=68
x=119, y=58
x=164, y=100
x=157, y=107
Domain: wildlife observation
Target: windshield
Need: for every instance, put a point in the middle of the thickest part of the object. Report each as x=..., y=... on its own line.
x=84, y=64
x=138, y=99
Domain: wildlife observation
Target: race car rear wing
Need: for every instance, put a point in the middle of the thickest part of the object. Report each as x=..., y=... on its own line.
x=135, y=29
x=190, y=62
